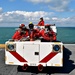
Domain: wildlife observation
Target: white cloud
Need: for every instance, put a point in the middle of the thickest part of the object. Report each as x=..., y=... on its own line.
x=60, y=5
x=54, y=18
x=17, y=17
x=23, y=16
x=39, y=1
x=68, y=21
x=56, y=5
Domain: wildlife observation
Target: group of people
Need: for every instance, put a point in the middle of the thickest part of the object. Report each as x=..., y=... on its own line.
x=45, y=35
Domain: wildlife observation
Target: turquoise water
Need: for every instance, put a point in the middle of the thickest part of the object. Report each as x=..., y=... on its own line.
x=64, y=34
x=6, y=33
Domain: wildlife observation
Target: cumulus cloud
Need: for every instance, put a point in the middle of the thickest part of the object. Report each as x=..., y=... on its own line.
x=17, y=17
x=57, y=5
x=60, y=5
x=23, y=16
x=68, y=21
x=39, y=1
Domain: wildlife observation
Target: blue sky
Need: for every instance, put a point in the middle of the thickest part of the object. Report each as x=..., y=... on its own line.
x=59, y=12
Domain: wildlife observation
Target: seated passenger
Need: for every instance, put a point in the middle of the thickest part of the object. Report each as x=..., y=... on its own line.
x=18, y=34
x=47, y=34
x=33, y=33
x=25, y=33
x=41, y=22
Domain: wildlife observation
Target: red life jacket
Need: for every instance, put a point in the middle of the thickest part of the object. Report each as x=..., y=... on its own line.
x=41, y=23
x=33, y=33
x=26, y=34
x=48, y=36
x=17, y=36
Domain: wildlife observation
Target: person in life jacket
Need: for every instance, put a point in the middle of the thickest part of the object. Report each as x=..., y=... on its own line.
x=18, y=34
x=25, y=34
x=47, y=34
x=33, y=33
x=41, y=22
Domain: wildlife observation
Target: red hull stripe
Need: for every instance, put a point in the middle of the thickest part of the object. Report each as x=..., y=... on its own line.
x=48, y=57
x=17, y=56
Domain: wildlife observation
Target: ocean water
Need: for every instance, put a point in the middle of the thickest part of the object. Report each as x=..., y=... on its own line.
x=64, y=34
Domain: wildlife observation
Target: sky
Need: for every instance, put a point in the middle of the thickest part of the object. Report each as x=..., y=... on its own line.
x=15, y=12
